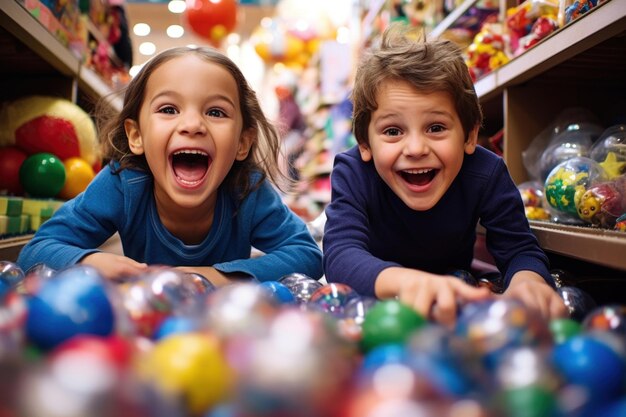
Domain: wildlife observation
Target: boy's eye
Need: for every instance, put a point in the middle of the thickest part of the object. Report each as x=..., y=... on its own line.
x=436, y=128
x=216, y=113
x=167, y=110
x=392, y=131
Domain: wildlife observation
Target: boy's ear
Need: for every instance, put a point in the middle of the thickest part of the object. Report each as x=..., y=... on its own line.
x=472, y=140
x=135, y=143
x=366, y=152
x=248, y=137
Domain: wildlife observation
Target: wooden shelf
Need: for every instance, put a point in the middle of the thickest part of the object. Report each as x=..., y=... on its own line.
x=599, y=246
x=603, y=22
x=10, y=247
x=26, y=30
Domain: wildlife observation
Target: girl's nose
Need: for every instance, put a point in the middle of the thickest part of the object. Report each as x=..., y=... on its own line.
x=193, y=124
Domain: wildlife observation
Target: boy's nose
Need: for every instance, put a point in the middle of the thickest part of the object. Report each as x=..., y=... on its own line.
x=415, y=145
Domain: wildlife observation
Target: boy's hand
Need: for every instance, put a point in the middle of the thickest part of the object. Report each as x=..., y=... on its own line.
x=434, y=296
x=531, y=289
x=114, y=266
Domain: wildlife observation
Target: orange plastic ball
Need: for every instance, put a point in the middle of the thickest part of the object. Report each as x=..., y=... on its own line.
x=78, y=174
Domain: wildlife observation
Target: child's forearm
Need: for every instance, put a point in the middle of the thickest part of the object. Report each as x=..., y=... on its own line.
x=216, y=277
x=388, y=283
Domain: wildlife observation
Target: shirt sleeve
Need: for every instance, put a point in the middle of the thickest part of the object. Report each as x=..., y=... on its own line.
x=509, y=239
x=77, y=228
x=281, y=236
x=347, y=258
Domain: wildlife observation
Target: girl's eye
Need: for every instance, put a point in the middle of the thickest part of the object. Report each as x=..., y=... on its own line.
x=216, y=113
x=392, y=131
x=168, y=110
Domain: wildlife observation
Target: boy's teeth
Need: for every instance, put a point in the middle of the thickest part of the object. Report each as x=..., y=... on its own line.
x=417, y=171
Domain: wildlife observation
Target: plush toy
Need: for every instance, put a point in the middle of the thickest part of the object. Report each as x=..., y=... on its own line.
x=37, y=125
x=49, y=124
x=602, y=204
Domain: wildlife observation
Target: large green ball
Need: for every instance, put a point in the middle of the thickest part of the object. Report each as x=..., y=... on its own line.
x=42, y=175
x=389, y=322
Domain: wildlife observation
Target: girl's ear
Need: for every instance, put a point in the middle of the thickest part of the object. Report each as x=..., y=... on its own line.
x=366, y=152
x=472, y=141
x=246, y=140
x=134, y=136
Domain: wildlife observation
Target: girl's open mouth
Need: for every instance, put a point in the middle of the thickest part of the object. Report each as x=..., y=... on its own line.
x=190, y=166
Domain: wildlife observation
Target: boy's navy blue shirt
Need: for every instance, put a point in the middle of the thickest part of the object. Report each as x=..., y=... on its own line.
x=369, y=228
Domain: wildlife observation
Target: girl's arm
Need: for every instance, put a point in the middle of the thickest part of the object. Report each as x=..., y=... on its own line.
x=281, y=236
x=77, y=228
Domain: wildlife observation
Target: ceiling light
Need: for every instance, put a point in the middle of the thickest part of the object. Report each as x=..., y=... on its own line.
x=176, y=6
x=141, y=29
x=175, y=31
x=147, y=48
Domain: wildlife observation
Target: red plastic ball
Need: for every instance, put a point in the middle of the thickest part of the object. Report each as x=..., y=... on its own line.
x=211, y=19
x=11, y=159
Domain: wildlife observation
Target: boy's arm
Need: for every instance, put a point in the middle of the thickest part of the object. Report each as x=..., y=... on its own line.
x=509, y=238
x=533, y=291
x=347, y=258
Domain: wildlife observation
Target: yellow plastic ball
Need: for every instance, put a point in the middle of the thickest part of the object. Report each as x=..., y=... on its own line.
x=78, y=174
x=190, y=366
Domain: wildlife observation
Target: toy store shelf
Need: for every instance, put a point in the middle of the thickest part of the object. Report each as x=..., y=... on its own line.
x=18, y=21
x=598, y=25
x=10, y=247
x=599, y=246
x=92, y=83
x=449, y=20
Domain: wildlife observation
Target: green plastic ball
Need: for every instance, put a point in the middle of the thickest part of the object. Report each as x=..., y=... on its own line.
x=389, y=322
x=563, y=329
x=42, y=175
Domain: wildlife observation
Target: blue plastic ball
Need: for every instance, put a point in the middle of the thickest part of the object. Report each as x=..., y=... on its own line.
x=588, y=362
x=74, y=301
x=279, y=291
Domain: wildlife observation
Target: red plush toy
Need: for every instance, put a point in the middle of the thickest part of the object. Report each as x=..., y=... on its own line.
x=43, y=125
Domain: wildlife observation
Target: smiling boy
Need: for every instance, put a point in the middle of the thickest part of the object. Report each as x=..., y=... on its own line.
x=407, y=199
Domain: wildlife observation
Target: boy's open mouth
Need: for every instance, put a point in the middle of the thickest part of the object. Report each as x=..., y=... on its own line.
x=418, y=176
x=190, y=166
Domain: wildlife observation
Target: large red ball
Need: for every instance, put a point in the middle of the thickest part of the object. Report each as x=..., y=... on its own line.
x=11, y=159
x=211, y=19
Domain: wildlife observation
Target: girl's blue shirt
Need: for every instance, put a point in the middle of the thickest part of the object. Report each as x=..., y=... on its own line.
x=124, y=203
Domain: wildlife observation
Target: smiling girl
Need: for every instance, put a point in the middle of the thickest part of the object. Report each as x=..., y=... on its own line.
x=192, y=159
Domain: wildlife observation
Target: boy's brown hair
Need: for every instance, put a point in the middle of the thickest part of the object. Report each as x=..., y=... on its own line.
x=429, y=66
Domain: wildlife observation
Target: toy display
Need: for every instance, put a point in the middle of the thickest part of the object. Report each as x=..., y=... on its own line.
x=54, y=139
x=574, y=141
x=610, y=150
x=566, y=184
x=533, y=199
x=532, y=155
x=603, y=203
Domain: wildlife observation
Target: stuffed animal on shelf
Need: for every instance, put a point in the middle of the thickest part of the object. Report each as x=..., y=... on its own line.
x=48, y=147
x=602, y=204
